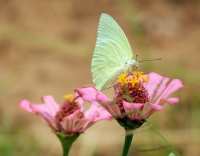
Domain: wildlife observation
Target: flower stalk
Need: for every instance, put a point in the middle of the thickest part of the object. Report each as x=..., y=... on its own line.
x=127, y=143
x=67, y=142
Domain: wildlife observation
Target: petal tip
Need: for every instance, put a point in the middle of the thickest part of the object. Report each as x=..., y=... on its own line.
x=25, y=104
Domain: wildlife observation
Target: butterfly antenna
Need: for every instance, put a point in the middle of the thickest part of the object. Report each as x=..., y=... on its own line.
x=136, y=56
x=147, y=60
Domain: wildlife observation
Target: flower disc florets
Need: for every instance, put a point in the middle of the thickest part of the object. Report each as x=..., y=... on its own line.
x=130, y=87
x=69, y=107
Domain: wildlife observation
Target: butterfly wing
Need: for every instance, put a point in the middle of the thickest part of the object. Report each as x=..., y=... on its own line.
x=112, y=52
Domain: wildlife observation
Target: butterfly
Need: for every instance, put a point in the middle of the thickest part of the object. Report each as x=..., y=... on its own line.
x=112, y=54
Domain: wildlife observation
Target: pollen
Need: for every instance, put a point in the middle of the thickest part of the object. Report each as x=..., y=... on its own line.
x=132, y=78
x=69, y=98
x=130, y=87
x=122, y=78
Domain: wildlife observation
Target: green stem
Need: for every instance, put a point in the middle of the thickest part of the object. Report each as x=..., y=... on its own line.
x=67, y=142
x=127, y=144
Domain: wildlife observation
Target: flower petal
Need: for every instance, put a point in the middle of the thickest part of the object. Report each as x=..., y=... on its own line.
x=172, y=100
x=152, y=108
x=132, y=106
x=133, y=110
x=51, y=104
x=154, y=80
x=173, y=86
x=75, y=123
x=160, y=88
x=112, y=108
x=156, y=107
x=102, y=98
x=87, y=93
x=47, y=111
x=96, y=112
x=25, y=104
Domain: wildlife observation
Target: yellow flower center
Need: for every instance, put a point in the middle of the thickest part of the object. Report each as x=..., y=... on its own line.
x=132, y=78
x=69, y=98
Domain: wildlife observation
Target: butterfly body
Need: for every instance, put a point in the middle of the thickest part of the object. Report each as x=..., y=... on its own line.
x=129, y=65
x=112, y=54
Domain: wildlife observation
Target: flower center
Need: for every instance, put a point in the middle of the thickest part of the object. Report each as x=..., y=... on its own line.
x=68, y=108
x=132, y=78
x=130, y=87
x=69, y=98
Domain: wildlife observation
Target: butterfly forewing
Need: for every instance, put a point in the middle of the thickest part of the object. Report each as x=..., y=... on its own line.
x=111, y=53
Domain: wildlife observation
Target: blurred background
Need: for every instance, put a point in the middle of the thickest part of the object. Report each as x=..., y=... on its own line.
x=46, y=48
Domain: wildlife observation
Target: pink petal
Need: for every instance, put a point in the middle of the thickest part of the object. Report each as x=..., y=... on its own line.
x=160, y=88
x=133, y=110
x=47, y=111
x=172, y=100
x=102, y=98
x=153, y=82
x=40, y=109
x=156, y=107
x=67, y=124
x=87, y=93
x=75, y=124
x=80, y=102
x=132, y=106
x=151, y=109
x=25, y=104
x=112, y=108
x=172, y=87
x=96, y=112
x=51, y=104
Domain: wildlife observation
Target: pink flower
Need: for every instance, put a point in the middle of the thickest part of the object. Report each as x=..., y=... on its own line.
x=138, y=96
x=70, y=117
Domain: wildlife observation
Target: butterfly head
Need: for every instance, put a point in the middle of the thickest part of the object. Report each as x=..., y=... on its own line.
x=132, y=64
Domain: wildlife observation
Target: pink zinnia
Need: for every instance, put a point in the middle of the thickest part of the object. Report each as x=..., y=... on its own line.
x=137, y=97
x=68, y=118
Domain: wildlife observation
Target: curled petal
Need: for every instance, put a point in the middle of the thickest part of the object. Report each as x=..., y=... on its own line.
x=154, y=80
x=102, y=98
x=156, y=107
x=133, y=110
x=151, y=109
x=51, y=105
x=132, y=106
x=75, y=123
x=80, y=102
x=47, y=111
x=25, y=104
x=96, y=112
x=172, y=100
x=160, y=88
x=112, y=108
x=87, y=93
x=43, y=109
x=173, y=86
